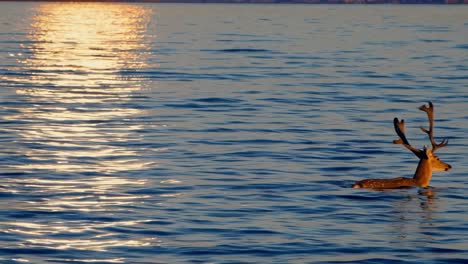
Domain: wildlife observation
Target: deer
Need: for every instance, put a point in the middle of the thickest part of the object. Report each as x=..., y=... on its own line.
x=428, y=161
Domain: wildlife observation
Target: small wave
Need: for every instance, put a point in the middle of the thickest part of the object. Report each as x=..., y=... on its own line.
x=462, y=77
x=184, y=76
x=217, y=100
x=245, y=50
x=461, y=46
x=434, y=40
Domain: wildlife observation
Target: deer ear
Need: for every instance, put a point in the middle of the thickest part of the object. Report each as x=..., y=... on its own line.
x=426, y=153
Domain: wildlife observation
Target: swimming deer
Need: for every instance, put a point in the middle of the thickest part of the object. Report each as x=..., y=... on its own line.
x=428, y=162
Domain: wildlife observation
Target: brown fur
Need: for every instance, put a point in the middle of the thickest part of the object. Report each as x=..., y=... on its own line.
x=386, y=183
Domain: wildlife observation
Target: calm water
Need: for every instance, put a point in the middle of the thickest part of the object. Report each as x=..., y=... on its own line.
x=151, y=133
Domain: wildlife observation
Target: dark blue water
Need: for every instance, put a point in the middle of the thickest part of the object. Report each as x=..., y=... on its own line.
x=150, y=133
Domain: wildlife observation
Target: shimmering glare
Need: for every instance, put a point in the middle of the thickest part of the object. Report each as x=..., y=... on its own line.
x=102, y=240
x=76, y=85
x=76, y=119
x=84, y=52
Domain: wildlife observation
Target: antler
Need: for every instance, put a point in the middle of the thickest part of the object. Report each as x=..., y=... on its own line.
x=430, y=115
x=400, y=130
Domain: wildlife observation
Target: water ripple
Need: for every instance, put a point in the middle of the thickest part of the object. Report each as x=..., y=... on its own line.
x=141, y=133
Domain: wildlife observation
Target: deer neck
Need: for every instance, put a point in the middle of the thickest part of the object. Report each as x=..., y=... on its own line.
x=423, y=173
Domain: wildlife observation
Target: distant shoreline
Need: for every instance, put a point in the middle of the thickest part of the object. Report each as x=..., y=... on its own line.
x=369, y=2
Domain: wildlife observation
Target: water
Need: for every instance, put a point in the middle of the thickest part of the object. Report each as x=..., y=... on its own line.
x=154, y=133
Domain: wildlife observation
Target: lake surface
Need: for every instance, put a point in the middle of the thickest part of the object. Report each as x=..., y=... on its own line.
x=178, y=133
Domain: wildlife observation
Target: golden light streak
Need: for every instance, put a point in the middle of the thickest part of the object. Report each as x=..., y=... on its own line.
x=78, y=50
x=100, y=242
x=73, y=121
x=86, y=43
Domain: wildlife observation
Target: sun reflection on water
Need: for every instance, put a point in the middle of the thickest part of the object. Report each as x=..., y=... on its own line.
x=100, y=241
x=87, y=43
x=78, y=121
x=77, y=100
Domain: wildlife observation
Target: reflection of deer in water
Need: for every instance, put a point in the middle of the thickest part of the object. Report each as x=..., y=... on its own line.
x=428, y=162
